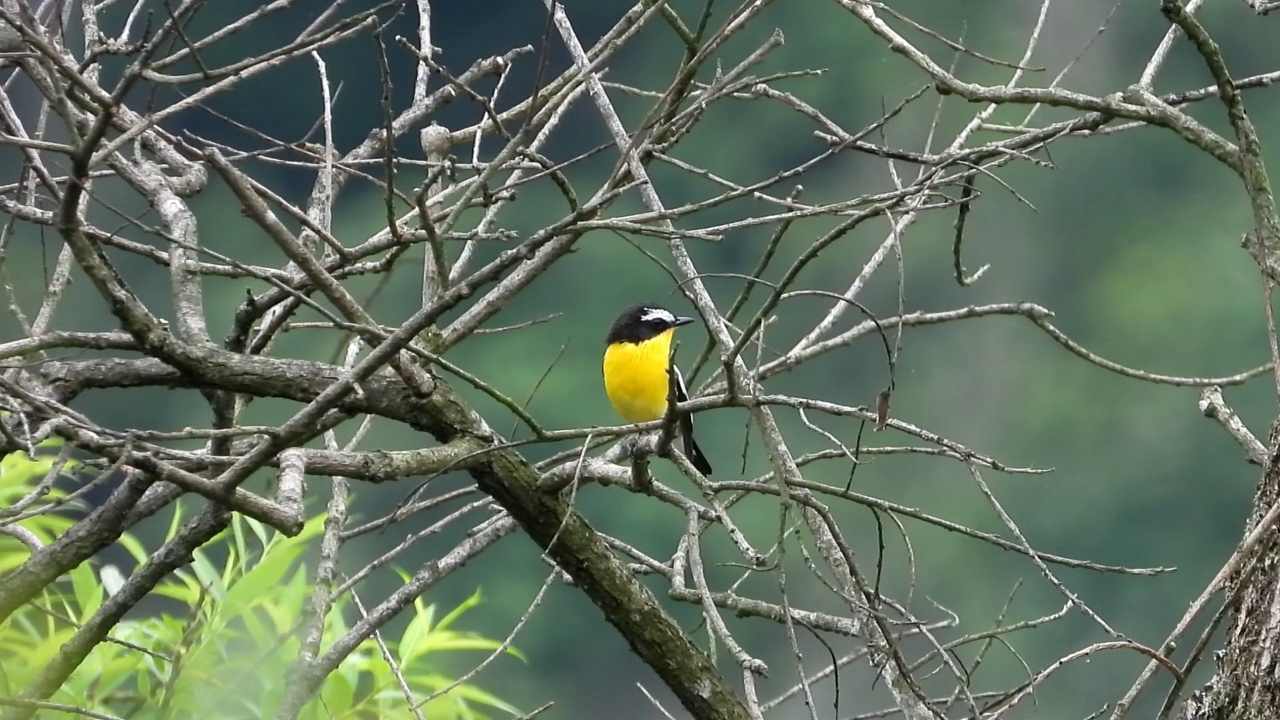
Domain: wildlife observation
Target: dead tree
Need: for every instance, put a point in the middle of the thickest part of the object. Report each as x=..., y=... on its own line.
x=78, y=119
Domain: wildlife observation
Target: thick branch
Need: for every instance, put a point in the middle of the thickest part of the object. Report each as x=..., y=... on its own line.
x=500, y=472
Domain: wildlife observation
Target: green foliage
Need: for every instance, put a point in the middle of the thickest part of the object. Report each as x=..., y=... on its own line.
x=223, y=639
x=19, y=476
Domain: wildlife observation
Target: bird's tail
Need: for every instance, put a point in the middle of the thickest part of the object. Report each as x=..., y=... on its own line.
x=691, y=449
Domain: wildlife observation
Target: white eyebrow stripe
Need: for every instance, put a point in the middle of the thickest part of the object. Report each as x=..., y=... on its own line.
x=657, y=314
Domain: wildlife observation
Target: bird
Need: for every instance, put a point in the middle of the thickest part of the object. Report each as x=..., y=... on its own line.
x=639, y=375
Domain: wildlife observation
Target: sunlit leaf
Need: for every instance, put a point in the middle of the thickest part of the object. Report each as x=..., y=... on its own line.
x=134, y=547
x=458, y=611
x=262, y=579
x=87, y=590
x=112, y=579
x=338, y=694
x=208, y=576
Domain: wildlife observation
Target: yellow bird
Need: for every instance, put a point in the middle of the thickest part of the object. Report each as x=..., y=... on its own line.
x=636, y=376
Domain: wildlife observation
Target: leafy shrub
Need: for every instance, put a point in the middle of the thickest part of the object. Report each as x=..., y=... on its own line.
x=225, y=639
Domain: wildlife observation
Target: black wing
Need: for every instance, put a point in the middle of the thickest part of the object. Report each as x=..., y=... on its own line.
x=691, y=449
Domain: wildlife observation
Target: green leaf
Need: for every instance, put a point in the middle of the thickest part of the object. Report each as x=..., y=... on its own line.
x=260, y=582
x=87, y=591
x=113, y=670
x=43, y=651
x=231, y=642
x=414, y=634
x=134, y=547
x=181, y=586
x=242, y=547
x=208, y=575
x=421, y=638
x=481, y=697
x=338, y=694
x=12, y=554
x=289, y=602
x=465, y=692
x=144, y=684
x=18, y=471
x=175, y=521
x=457, y=612
x=454, y=642
x=263, y=533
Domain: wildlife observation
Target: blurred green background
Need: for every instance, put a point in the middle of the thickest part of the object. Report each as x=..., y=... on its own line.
x=1133, y=242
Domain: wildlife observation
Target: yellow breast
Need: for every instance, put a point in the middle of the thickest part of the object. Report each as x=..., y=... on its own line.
x=635, y=378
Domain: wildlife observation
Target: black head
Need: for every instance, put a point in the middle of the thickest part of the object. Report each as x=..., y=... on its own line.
x=641, y=322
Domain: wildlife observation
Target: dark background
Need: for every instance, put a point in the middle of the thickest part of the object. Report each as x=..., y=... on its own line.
x=1133, y=242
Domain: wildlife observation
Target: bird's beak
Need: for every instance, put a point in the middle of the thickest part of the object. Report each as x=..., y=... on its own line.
x=682, y=321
